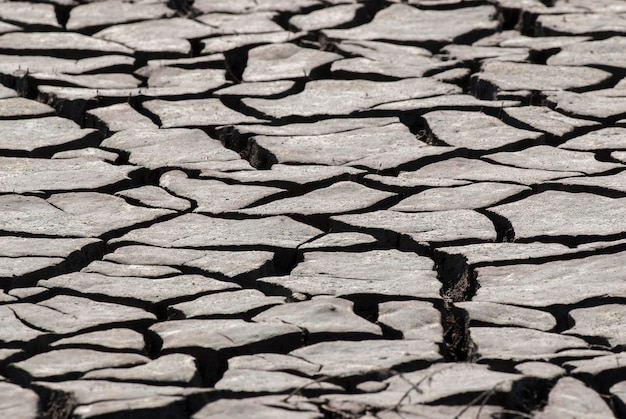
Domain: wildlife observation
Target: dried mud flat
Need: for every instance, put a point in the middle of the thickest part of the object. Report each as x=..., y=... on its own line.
x=312, y=209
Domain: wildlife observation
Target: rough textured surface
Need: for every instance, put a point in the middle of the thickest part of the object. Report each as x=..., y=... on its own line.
x=312, y=209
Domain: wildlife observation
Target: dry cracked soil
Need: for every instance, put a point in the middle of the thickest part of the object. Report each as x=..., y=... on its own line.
x=313, y=209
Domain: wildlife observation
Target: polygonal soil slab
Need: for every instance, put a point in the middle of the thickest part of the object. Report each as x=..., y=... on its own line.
x=540, y=369
x=94, y=15
x=179, y=81
x=26, y=134
x=338, y=274
x=159, y=148
x=404, y=157
x=213, y=196
x=18, y=64
x=5, y=93
x=231, y=303
x=174, y=369
x=252, y=6
x=61, y=44
x=274, y=362
x=245, y=381
x=155, y=197
x=612, y=182
x=560, y=282
x=459, y=168
x=231, y=334
x=438, y=382
x=327, y=17
x=345, y=359
x=500, y=75
x=324, y=318
x=386, y=59
x=564, y=216
x=63, y=363
x=64, y=314
x=19, y=107
x=554, y=159
x=476, y=195
x=603, y=321
x=512, y=343
x=119, y=270
x=542, y=118
x=605, y=53
x=572, y=398
x=157, y=36
x=434, y=227
x=226, y=43
x=338, y=198
x=331, y=149
x=598, y=24
x=477, y=53
x=292, y=177
x=415, y=319
x=92, y=398
x=80, y=214
x=325, y=126
x=337, y=241
x=453, y=101
x=284, y=61
x=256, y=89
x=88, y=153
x=585, y=369
x=13, y=329
x=115, y=338
x=13, y=269
x=108, y=81
x=147, y=290
x=611, y=138
x=235, y=23
x=196, y=113
x=223, y=263
x=343, y=97
x=32, y=246
x=404, y=23
x=26, y=13
x=18, y=402
x=507, y=315
x=258, y=407
x=195, y=230
x=118, y=117
x=19, y=175
x=591, y=105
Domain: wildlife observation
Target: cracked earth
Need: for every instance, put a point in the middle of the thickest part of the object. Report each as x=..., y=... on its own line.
x=312, y=209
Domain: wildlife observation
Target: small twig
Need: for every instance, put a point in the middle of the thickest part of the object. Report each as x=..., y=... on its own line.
x=518, y=413
x=414, y=386
x=482, y=397
x=302, y=387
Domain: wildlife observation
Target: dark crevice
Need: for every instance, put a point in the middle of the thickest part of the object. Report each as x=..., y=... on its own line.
x=504, y=228
x=54, y=404
x=573, y=241
x=457, y=277
x=75, y=261
x=236, y=62
x=608, y=250
x=457, y=339
x=572, y=188
x=92, y=139
x=138, y=106
x=459, y=284
x=62, y=14
x=606, y=84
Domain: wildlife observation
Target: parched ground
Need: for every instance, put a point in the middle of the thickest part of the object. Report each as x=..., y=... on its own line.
x=313, y=209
